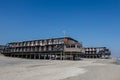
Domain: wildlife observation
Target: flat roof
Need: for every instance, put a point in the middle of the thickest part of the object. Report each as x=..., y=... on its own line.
x=44, y=39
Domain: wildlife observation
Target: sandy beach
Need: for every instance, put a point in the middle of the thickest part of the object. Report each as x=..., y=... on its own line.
x=86, y=69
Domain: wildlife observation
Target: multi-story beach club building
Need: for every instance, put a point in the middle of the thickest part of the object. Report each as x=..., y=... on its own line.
x=52, y=48
x=64, y=48
x=96, y=52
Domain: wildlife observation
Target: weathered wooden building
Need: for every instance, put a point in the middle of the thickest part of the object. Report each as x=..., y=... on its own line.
x=96, y=52
x=64, y=48
x=53, y=48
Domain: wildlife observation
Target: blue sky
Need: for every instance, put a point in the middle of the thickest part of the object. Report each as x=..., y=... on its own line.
x=92, y=22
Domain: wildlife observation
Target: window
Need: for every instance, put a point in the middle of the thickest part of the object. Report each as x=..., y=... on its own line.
x=17, y=49
x=28, y=43
x=28, y=49
x=41, y=43
x=55, y=47
x=86, y=49
x=50, y=42
x=61, y=41
x=10, y=45
x=31, y=49
x=14, y=50
x=72, y=46
x=78, y=46
x=40, y=49
x=20, y=44
x=24, y=44
x=49, y=48
x=20, y=49
x=55, y=41
x=36, y=42
x=67, y=46
x=17, y=44
x=32, y=43
x=44, y=48
x=45, y=42
x=24, y=49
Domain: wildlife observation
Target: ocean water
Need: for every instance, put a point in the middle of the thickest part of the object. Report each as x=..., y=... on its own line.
x=118, y=62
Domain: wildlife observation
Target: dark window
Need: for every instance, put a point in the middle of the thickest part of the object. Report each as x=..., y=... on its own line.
x=67, y=46
x=72, y=46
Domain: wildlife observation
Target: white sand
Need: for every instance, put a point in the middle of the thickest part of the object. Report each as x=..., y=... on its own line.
x=24, y=69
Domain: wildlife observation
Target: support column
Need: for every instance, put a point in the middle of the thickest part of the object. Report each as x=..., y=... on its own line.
x=30, y=56
x=71, y=56
x=39, y=56
x=44, y=57
x=17, y=55
x=61, y=56
x=55, y=56
x=50, y=56
x=34, y=56
x=26, y=56
x=22, y=55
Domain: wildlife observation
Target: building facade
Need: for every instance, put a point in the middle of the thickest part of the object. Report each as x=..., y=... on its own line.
x=96, y=52
x=52, y=48
x=64, y=48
